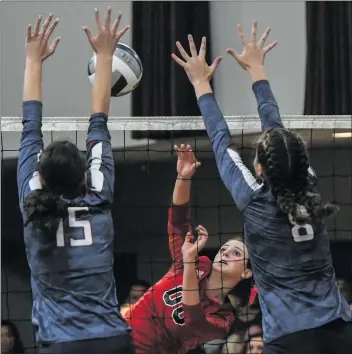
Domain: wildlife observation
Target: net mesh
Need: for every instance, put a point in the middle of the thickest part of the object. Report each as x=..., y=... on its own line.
x=145, y=175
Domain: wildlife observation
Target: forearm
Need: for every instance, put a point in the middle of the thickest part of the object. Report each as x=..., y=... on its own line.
x=190, y=292
x=182, y=191
x=102, y=85
x=268, y=108
x=32, y=87
x=202, y=87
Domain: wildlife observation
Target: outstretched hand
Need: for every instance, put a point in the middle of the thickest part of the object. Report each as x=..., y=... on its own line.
x=37, y=47
x=107, y=38
x=254, y=52
x=186, y=161
x=195, y=65
x=191, y=248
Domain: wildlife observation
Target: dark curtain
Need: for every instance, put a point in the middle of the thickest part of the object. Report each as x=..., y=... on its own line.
x=329, y=57
x=164, y=89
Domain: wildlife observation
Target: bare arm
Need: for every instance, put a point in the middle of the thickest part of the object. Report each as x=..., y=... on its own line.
x=190, y=285
x=190, y=250
x=32, y=87
x=104, y=45
x=37, y=50
x=179, y=212
x=102, y=84
x=31, y=145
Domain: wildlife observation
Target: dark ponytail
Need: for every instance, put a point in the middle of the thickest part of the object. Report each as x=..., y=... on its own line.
x=284, y=159
x=44, y=208
x=62, y=170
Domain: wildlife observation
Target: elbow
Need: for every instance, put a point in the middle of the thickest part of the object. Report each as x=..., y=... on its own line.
x=221, y=140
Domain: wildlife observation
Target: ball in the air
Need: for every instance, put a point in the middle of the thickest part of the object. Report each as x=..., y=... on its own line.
x=127, y=70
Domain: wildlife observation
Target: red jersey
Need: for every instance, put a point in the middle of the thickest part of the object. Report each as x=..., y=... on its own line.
x=160, y=322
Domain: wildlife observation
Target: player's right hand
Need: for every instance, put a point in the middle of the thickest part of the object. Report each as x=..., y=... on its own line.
x=195, y=65
x=107, y=38
x=191, y=248
x=186, y=161
x=37, y=47
x=253, y=53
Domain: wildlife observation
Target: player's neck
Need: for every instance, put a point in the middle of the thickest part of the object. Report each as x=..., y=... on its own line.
x=217, y=288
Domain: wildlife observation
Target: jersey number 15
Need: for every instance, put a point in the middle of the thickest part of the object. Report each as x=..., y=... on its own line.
x=85, y=225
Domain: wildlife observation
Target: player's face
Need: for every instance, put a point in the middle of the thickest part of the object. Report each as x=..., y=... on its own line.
x=6, y=339
x=136, y=292
x=232, y=259
x=258, y=168
x=255, y=345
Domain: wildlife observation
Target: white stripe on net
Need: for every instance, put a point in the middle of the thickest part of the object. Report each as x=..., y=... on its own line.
x=180, y=123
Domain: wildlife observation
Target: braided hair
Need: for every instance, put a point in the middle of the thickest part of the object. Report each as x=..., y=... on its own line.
x=284, y=159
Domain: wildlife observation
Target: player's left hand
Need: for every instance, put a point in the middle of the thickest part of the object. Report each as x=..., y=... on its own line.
x=108, y=35
x=37, y=47
x=254, y=52
x=191, y=248
x=195, y=65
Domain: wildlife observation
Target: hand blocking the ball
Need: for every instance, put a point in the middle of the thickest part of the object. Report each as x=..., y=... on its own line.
x=107, y=38
x=37, y=41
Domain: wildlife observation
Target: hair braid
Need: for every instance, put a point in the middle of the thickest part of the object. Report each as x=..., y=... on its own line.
x=276, y=163
x=284, y=159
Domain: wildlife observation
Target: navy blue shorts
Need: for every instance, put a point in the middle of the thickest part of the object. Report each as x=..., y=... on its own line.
x=112, y=345
x=332, y=338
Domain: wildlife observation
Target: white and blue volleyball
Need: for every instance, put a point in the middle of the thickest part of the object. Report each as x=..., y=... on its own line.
x=127, y=70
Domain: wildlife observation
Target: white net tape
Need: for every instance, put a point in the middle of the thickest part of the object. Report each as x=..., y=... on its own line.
x=180, y=123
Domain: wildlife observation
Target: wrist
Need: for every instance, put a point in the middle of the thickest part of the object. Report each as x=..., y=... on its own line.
x=257, y=73
x=189, y=260
x=34, y=63
x=202, y=87
x=184, y=178
x=104, y=56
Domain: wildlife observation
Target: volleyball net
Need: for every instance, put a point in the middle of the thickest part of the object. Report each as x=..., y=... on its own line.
x=145, y=176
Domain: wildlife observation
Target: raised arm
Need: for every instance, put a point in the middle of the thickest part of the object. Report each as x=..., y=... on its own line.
x=101, y=170
x=179, y=222
x=37, y=50
x=252, y=60
x=236, y=177
x=190, y=285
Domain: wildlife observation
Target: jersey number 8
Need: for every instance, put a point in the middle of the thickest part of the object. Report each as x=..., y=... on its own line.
x=173, y=298
x=87, y=240
x=301, y=233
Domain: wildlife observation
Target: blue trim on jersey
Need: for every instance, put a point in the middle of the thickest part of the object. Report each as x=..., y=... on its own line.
x=235, y=175
x=101, y=166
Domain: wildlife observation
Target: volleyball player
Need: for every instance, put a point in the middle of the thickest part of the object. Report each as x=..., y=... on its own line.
x=68, y=225
x=188, y=306
x=285, y=219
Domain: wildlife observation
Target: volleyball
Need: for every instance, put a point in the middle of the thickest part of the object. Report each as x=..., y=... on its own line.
x=127, y=70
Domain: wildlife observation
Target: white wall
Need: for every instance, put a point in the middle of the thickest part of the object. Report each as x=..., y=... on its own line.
x=285, y=64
